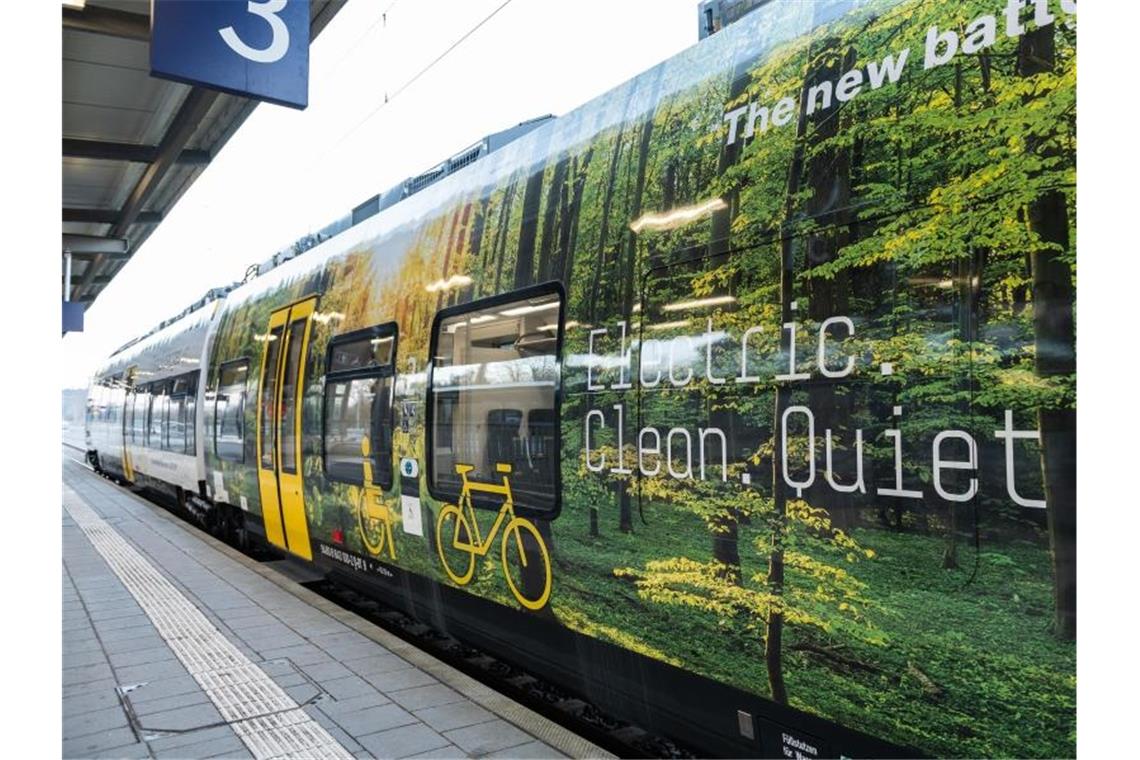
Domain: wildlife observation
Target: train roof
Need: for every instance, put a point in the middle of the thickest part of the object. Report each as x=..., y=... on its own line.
x=369, y=208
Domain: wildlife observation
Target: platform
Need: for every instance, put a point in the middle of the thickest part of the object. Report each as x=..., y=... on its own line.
x=176, y=645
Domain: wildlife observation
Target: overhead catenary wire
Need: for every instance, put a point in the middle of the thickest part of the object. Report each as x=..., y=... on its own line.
x=382, y=19
x=443, y=55
x=389, y=97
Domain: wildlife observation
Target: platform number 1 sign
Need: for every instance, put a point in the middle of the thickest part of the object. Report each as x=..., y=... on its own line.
x=258, y=48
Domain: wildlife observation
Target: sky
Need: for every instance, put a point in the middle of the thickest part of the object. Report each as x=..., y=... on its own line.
x=286, y=172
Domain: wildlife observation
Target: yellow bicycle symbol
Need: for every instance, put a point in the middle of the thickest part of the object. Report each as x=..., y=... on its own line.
x=372, y=514
x=457, y=528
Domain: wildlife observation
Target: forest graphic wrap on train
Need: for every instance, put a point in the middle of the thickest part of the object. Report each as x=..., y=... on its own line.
x=812, y=283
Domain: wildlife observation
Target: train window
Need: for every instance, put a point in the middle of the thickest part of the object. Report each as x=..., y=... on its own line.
x=494, y=395
x=188, y=407
x=158, y=403
x=169, y=413
x=268, y=419
x=128, y=414
x=140, y=403
x=229, y=411
x=289, y=393
x=176, y=416
x=358, y=403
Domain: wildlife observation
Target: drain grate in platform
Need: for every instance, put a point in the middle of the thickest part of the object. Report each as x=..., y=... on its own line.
x=268, y=721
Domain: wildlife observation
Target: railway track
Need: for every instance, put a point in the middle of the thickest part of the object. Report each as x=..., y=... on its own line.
x=569, y=710
x=565, y=708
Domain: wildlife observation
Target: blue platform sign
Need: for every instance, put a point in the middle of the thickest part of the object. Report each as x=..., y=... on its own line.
x=258, y=48
x=73, y=316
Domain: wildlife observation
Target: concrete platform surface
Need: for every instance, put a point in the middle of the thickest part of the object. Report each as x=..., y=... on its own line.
x=177, y=646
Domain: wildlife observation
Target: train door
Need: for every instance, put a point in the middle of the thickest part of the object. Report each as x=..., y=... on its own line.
x=279, y=428
x=128, y=421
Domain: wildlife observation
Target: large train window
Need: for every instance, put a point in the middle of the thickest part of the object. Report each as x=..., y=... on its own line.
x=494, y=395
x=157, y=414
x=128, y=413
x=229, y=411
x=140, y=402
x=188, y=410
x=176, y=416
x=269, y=395
x=358, y=403
x=289, y=393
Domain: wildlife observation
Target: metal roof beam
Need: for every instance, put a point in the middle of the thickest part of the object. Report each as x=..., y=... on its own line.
x=113, y=151
x=134, y=26
x=102, y=279
x=107, y=21
x=91, y=245
x=186, y=121
x=190, y=114
x=107, y=216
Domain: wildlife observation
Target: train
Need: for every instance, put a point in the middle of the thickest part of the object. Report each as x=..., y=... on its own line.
x=739, y=401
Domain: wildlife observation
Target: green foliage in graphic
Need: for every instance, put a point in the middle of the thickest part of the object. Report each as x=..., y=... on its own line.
x=910, y=209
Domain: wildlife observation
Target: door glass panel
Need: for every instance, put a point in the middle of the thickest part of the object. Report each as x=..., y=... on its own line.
x=190, y=410
x=268, y=407
x=289, y=397
x=229, y=412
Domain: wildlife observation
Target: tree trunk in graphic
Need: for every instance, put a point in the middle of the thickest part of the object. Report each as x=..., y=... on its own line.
x=607, y=201
x=726, y=526
x=774, y=630
x=499, y=246
x=625, y=506
x=475, y=239
x=534, y=573
x=555, y=201
x=568, y=239
x=475, y=242
x=629, y=276
x=721, y=222
x=725, y=534
x=449, y=248
x=528, y=232
x=828, y=175
x=669, y=186
x=965, y=308
x=1055, y=335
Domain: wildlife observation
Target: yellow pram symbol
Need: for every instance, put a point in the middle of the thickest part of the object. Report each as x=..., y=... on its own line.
x=373, y=516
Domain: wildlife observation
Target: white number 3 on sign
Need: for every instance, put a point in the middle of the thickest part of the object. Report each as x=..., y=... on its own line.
x=278, y=46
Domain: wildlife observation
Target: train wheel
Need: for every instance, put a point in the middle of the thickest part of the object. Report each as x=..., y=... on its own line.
x=453, y=538
x=516, y=563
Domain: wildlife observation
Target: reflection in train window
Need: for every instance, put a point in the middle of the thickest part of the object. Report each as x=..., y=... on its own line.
x=494, y=394
x=229, y=411
x=358, y=403
x=141, y=402
x=156, y=415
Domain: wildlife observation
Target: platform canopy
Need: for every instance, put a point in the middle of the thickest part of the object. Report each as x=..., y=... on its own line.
x=132, y=143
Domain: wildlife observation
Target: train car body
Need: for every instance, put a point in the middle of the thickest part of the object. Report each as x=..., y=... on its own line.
x=738, y=400
x=149, y=431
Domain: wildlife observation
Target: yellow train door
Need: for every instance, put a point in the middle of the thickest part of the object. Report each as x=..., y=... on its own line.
x=128, y=421
x=279, y=476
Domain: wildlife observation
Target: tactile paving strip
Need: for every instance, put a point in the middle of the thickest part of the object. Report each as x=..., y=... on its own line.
x=268, y=720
